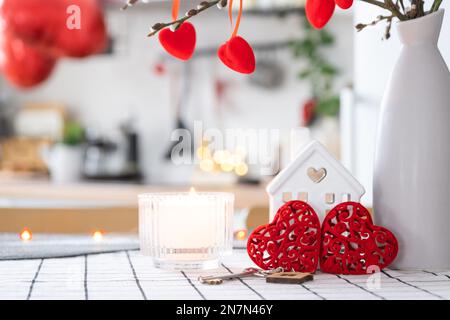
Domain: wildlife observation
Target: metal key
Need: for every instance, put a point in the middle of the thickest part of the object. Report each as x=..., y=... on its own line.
x=248, y=272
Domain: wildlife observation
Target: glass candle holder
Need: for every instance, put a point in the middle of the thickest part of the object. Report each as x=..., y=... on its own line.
x=186, y=230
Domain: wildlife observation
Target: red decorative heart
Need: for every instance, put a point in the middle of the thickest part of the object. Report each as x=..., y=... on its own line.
x=179, y=43
x=61, y=28
x=23, y=65
x=238, y=55
x=290, y=241
x=344, y=4
x=351, y=242
x=319, y=12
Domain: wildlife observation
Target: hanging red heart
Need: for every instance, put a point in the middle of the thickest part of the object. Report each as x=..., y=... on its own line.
x=23, y=65
x=351, y=242
x=290, y=241
x=238, y=55
x=73, y=28
x=179, y=43
x=344, y=4
x=319, y=12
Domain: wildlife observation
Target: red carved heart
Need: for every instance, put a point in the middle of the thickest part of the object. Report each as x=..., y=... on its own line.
x=290, y=241
x=319, y=12
x=344, y=4
x=238, y=55
x=351, y=242
x=179, y=43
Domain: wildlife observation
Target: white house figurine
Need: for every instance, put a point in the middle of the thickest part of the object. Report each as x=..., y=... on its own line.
x=316, y=177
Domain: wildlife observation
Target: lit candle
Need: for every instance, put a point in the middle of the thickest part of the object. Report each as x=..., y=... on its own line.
x=26, y=235
x=186, y=230
x=97, y=235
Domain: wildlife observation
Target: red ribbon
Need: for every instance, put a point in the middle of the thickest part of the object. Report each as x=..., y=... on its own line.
x=175, y=9
x=238, y=19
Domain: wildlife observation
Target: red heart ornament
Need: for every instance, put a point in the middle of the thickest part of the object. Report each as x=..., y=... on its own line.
x=23, y=65
x=344, y=4
x=290, y=241
x=319, y=12
x=179, y=43
x=238, y=55
x=351, y=242
x=72, y=28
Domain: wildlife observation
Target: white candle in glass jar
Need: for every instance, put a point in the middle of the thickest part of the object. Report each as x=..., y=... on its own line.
x=186, y=229
x=187, y=222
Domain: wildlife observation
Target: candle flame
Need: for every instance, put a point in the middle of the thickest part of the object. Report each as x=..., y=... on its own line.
x=97, y=235
x=26, y=235
x=241, y=234
x=192, y=191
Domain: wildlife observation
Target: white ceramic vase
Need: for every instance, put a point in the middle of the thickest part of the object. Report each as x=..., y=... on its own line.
x=412, y=162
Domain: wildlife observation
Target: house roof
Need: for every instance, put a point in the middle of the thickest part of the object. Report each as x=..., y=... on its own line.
x=303, y=155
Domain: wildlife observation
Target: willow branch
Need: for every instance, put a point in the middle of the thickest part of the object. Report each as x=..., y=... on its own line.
x=376, y=3
x=361, y=26
x=191, y=13
x=402, y=5
x=129, y=3
x=387, y=32
x=391, y=6
x=387, y=5
x=436, y=5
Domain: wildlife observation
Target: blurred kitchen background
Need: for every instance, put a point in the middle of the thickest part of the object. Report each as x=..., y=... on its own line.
x=97, y=132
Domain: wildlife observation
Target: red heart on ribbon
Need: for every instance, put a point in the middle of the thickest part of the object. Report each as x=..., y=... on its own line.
x=351, y=243
x=319, y=12
x=290, y=241
x=179, y=43
x=238, y=55
x=344, y=4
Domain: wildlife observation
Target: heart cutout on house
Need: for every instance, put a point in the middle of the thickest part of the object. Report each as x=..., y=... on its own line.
x=316, y=175
x=351, y=243
x=238, y=55
x=179, y=43
x=291, y=240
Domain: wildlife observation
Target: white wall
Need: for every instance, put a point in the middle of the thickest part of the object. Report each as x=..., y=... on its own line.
x=374, y=60
x=104, y=90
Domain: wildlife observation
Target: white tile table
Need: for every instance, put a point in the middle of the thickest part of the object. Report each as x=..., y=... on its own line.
x=129, y=275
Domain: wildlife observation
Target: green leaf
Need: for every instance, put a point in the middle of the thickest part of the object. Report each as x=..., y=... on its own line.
x=328, y=70
x=73, y=133
x=328, y=106
x=326, y=38
x=304, y=74
x=319, y=72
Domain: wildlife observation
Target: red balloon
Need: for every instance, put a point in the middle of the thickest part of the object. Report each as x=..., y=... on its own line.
x=179, y=43
x=344, y=4
x=72, y=28
x=319, y=12
x=238, y=55
x=23, y=65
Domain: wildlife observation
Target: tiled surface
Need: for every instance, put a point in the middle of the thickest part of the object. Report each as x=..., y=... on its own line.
x=128, y=275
